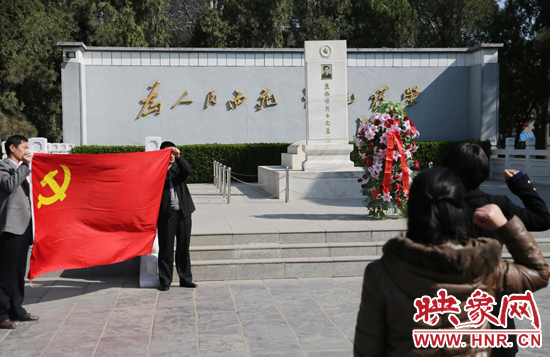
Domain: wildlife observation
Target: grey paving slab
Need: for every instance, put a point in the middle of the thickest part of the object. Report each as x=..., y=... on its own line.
x=289, y=348
x=210, y=343
x=272, y=330
x=219, y=322
x=323, y=339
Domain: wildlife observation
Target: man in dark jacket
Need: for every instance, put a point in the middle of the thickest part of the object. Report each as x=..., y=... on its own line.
x=469, y=162
x=175, y=220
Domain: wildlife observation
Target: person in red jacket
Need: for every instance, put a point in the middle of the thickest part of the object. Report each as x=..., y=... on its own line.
x=438, y=254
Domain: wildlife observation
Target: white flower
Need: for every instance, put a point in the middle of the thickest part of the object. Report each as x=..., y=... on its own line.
x=396, y=155
x=386, y=197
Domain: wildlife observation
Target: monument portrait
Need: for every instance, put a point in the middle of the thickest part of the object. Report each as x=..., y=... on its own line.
x=326, y=71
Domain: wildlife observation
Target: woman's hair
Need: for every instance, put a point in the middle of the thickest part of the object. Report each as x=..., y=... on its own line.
x=469, y=162
x=435, y=206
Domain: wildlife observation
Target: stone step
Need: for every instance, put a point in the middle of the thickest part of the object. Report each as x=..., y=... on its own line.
x=283, y=268
x=275, y=250
x=305, y=267
x=304, y=259
x=295, y=250
x=228, y=239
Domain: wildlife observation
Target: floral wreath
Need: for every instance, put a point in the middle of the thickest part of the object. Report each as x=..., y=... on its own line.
x=386, y=144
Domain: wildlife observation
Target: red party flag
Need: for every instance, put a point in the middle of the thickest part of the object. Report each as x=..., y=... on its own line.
x=93, y=210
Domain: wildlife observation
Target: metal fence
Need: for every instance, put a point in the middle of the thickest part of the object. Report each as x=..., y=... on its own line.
x=223, y=176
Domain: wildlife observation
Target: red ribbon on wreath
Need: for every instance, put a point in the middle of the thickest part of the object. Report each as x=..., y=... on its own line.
x=395, y=138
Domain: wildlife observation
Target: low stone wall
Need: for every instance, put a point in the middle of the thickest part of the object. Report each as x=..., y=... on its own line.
x=117, y=96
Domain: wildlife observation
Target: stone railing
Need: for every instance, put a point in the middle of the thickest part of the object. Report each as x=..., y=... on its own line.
x=531, y=161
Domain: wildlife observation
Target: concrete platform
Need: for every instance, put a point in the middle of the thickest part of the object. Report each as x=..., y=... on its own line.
x=335, y=185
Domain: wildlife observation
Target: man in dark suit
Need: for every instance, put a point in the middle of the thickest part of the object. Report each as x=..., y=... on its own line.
x=175, y=220
x=15, y=231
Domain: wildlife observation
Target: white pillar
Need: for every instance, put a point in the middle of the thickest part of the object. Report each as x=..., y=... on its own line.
x=148, y=271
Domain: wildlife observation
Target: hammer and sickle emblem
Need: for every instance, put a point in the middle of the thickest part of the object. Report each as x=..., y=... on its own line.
x=59, y=192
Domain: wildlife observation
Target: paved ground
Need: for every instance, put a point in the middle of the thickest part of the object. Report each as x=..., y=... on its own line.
x=285, y=317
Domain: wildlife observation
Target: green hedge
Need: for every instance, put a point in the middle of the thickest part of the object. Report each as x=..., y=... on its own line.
x=244, y=159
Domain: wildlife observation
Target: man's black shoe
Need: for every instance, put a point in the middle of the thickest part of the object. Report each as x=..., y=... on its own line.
x=164, y=288
x=27, y=317
x=188, y=285
x=7, y=324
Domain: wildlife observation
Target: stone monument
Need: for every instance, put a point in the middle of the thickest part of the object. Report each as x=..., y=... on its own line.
x=327, y=145
x=320, y=166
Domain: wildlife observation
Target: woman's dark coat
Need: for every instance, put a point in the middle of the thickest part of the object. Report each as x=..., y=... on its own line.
x=409, y=270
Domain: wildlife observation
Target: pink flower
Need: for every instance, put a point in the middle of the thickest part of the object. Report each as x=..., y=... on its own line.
x=386, y=197
x=377, y=168
x=370, y=135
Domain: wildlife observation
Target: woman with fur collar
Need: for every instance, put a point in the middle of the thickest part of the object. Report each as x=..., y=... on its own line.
x=437, y=254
